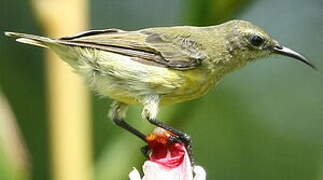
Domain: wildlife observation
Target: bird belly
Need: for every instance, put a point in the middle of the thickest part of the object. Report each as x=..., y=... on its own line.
x=123, y=79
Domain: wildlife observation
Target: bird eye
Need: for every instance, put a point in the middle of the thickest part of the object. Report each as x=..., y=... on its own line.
x=256, y=40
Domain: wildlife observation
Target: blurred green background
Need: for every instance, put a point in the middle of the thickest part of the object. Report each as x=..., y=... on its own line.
x=263, y=122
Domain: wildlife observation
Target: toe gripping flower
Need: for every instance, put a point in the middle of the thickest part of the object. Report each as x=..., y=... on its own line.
x=167, y=160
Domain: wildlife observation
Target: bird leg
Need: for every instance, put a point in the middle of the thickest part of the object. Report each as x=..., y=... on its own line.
x=117, y=114
x=150, y=111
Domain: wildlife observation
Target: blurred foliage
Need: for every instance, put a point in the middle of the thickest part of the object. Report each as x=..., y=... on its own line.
x=23, y=82
x=262, y=122
x=13, y=154
x=210, y=12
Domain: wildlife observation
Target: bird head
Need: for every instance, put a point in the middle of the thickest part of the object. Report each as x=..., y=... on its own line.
x=246, y=42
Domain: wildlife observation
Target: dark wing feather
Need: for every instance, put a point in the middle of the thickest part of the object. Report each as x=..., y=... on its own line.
x=174, y=51
x=91, y=33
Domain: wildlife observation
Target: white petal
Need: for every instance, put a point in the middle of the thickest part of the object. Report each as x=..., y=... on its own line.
x=154, y=171
x=134, y=175
x=200, y=173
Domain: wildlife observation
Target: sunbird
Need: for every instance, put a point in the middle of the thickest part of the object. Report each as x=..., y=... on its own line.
x=162, y=65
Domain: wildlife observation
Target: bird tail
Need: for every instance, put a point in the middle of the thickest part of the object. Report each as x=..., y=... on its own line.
x=31, y=39
x=60, y=49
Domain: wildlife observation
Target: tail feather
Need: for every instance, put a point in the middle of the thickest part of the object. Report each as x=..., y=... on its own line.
x=67, y=53
x=31, y=39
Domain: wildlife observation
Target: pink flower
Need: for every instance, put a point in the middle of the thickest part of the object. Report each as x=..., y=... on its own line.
x=167, y=160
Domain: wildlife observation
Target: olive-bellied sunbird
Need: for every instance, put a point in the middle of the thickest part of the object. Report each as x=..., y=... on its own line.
x=160, y=66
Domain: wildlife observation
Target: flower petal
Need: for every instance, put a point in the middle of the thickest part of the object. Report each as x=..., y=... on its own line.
x=200, y=173
x=155, y=171
x=134, y=175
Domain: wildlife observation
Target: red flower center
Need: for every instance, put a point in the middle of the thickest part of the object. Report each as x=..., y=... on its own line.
x=165, y=152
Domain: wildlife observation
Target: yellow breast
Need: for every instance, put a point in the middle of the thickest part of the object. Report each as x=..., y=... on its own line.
x=126, y=80
x=196, y=83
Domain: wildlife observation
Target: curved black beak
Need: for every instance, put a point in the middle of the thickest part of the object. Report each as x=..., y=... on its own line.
x=291, y=53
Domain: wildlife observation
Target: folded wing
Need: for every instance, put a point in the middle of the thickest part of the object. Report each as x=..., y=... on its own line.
x=151, y=46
